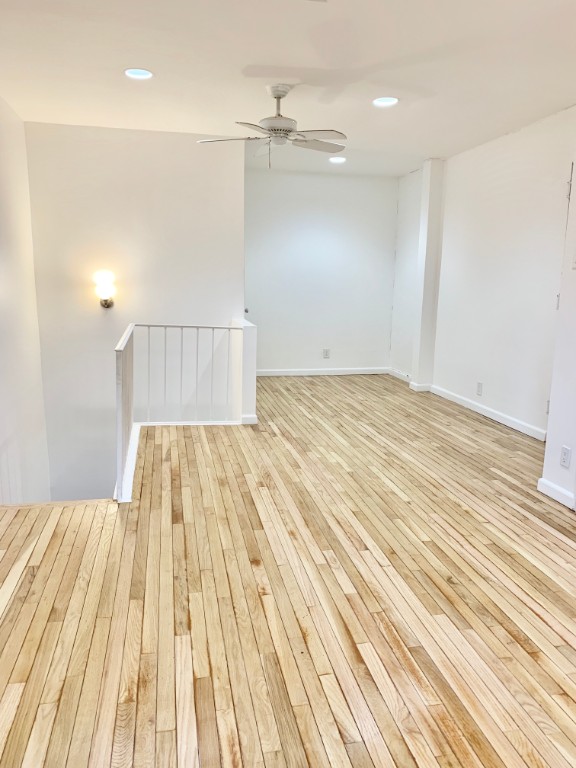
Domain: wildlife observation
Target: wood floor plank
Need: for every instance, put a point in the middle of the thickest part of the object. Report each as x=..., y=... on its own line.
x=8, y=708
x=290, y=735
x=41, y=730
x=186, y=730
x=145, y=740
x=125, y=727
x=208, y=744
x=368, y=577
x=73, y=611
x=165, y=700
x=81, y=737
x=10, y=584
x=17, y=741
x=103, y=737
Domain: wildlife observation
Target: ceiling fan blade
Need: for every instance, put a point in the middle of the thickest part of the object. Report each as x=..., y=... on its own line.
x=254, y=127
x=321, y=146
x=244, y=138
x=327, y=134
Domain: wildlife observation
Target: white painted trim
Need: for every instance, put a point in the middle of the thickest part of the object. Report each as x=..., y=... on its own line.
x=121, y=346
x=230, y=423
x=501, y=418
x=249, y=418
x=419, y=387
x=398, y=374
x=321, y=371
x=129, y=466
x=557, y=493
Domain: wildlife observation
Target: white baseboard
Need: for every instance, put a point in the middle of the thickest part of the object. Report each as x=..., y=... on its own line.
x=501, y=418
x=415, y=387
x=247, y=418
x=561, y=495
x=320, y=371
x=398, y=374
x=188, y=423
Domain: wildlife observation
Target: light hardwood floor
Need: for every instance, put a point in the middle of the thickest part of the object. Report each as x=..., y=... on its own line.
x=366, y=578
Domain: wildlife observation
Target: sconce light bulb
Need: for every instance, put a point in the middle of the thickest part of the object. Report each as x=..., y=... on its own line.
x=103, y=276
x=105, y=288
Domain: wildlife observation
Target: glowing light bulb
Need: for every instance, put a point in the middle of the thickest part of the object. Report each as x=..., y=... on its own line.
x=105, y=288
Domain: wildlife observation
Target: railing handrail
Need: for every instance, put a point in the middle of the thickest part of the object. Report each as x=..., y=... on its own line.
x=124, y=338
x=129, y=330
x=207, y=327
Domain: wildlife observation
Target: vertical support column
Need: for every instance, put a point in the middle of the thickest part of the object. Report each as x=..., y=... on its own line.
x=558, y=480
x=428, y=277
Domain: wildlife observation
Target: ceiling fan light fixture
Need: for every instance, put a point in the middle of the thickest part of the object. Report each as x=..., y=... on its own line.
x=337, y=160
x=382, y=102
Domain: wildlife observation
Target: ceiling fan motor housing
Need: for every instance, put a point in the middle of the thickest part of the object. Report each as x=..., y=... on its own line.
x=279, y=128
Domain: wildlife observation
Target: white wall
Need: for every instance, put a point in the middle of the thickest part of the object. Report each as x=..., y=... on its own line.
x=320, y=268
x=23, y=450
x=162, y=212
x=504, y=221
x=405, y=274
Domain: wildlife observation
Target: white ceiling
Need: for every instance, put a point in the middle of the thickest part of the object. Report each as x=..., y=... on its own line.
x=465, y=71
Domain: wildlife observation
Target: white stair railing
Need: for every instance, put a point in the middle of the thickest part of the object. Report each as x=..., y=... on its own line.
x=181, y=374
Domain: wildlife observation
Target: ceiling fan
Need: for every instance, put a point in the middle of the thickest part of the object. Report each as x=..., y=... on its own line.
x=281, y=130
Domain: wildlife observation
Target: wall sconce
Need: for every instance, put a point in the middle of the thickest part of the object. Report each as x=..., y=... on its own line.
x=105, y=288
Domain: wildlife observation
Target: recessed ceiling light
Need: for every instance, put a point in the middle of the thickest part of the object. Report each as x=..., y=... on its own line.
x=337, y=160
x=138, y=74
x=385, y=101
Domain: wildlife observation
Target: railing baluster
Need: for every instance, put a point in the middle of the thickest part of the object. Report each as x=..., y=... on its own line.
x=197, y=366
x=181, y=367
x=165, y=363
x=149, y=376
x=212, y=376
x=228, y=376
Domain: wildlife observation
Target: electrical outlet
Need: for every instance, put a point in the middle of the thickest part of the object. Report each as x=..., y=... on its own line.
x=565, y=456
x=479, y=389
x=326, y=354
